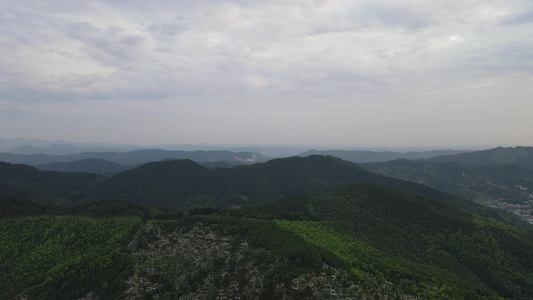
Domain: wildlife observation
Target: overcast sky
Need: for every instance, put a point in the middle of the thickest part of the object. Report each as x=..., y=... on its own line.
x=361, y=73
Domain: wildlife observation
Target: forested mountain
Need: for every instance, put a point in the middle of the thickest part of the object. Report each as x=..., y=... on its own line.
x=46, y=186
x=407, y=236
x=474, y=182
x=520, y=156
x=92, y=165
x=360, y=241
x=510, y=176
x=366, y=156
x=136, y=157
x=107, y=168
x=185, y=184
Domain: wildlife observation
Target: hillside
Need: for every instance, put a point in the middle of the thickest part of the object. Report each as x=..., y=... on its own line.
x=520, y=156
x=93, y=165
x=477, y=183
x=186, y=184
x=361, y=241
x=419, y=238
x=46, y=186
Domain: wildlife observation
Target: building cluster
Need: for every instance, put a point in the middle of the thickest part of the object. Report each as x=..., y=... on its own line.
x=522, y=209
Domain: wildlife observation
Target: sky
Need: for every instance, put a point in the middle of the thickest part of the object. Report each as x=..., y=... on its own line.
x=361, y=73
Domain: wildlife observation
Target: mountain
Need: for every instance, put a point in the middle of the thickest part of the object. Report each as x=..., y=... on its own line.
x=45, y=186
x=220, y=164
x=96, y=166
x=510, y=175
x=365, y=156
x=56, y=149
x=408, y=236
x=475, y=182
x=361, y=241
x=520, y=156
x=136, y=157
x=14, y=143
x=186, y=184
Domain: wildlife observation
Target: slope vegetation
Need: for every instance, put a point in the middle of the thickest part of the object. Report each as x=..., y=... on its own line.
x=185, y=184
x=476, y=183
x=360, y=241
x=397, y=237
x=521, y=156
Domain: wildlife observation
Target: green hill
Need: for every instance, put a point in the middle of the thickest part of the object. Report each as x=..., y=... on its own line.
x=64, y=257
x=474, y=182
x=93, y=165
x=46, y=186
x=360, y=241
x=395, y=235
x=167, y=182
x=186, y=184
x=520, y=156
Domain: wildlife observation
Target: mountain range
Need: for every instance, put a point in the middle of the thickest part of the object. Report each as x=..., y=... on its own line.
x=186, y=184
x=314, y=227
x=519, y=156
x=366, y=156
x=135, y=157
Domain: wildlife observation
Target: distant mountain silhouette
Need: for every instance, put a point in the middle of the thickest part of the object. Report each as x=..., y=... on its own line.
x=520, y=156
x=56, y=149
x=136, y=157
x=365, y=156
x=93, y=165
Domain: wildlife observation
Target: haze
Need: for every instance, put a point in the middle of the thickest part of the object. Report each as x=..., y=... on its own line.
x=375, y=73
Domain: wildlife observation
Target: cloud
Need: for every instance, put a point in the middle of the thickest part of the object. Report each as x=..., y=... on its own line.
x=299, y=59
x=519, y=19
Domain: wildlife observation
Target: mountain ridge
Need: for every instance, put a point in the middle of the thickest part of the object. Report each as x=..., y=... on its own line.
x=366, y=156
x=521, y=156
x=186, y=184
x=136, y=157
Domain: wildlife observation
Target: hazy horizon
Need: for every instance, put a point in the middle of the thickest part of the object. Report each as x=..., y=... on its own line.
x=367, y=74
x=12, y=144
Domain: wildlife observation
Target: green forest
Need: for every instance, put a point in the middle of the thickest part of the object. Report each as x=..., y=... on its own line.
x=361, y=240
